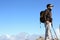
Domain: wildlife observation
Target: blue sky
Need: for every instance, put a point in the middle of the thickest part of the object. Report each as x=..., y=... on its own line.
x=23, y=16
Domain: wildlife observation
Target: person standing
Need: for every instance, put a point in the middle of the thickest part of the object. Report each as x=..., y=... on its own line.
x=48, y=22
x=46, y=18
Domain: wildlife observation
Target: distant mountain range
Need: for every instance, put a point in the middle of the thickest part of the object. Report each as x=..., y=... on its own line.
x=21, y=36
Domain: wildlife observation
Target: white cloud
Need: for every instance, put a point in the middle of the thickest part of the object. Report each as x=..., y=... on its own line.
x=21, y=36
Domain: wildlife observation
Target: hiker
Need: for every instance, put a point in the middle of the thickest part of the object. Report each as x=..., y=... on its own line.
x=46, y=18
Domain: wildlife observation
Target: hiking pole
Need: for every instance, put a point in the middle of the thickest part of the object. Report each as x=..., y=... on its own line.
x=54, y=31
x=40, y=24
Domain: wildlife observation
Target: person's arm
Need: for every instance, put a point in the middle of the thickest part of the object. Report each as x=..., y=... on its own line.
x=51, y=17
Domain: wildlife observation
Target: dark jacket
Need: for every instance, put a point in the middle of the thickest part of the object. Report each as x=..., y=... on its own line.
x=48, y=15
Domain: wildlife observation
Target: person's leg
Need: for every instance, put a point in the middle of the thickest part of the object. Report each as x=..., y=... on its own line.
x=48, y=32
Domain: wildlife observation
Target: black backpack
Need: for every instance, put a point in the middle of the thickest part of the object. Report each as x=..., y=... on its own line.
x=42, y=18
